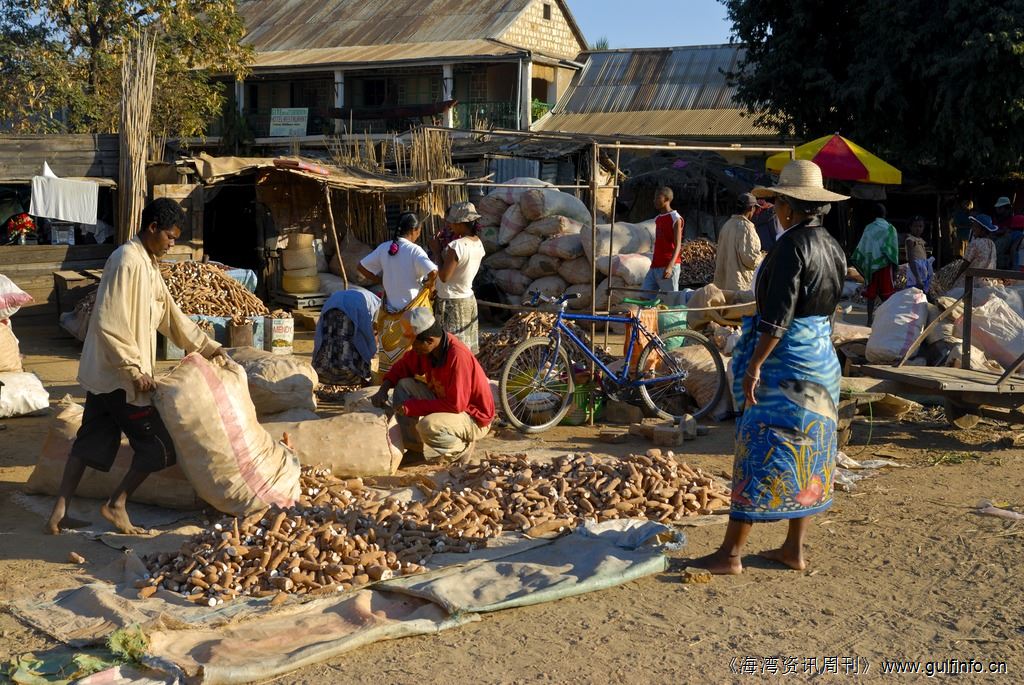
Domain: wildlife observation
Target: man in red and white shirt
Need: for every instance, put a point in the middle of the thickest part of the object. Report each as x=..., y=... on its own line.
x=668, y=243
x=445, y=414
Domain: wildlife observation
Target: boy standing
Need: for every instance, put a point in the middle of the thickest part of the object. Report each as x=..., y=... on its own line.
x=668, y=242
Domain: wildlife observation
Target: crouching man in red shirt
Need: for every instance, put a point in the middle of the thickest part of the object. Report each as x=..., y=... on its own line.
x=444, y=415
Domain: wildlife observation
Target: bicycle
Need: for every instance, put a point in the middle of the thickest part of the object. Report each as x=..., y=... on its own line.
x=538, y=381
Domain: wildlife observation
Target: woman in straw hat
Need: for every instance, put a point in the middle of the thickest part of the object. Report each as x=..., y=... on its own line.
x=787, y=376
x=456, y=304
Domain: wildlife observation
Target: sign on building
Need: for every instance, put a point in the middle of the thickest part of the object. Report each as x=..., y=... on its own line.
x=288, y=121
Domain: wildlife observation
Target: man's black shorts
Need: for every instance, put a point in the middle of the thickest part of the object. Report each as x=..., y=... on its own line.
x=108, y=415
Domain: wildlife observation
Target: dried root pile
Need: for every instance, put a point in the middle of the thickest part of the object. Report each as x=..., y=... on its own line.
x=698, y=266
x=343, y=535
x=495, y=348
x=205, y=289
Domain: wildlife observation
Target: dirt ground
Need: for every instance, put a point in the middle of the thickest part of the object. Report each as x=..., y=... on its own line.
x=901, y=568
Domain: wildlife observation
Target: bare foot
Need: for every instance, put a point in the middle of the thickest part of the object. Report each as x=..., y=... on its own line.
x=119, y=518
x=59, y=521
x=286, y=440
x=719, y=563
x=785, y=557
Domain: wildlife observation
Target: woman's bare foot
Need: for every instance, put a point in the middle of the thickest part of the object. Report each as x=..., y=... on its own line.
x=719, y=563
x=118, y=516
x=794, y=560
x=59, y=520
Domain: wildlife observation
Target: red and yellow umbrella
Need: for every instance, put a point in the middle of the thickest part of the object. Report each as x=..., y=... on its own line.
x=841, y=159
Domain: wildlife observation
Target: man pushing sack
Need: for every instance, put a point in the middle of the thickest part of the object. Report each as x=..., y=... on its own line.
x=443, y=417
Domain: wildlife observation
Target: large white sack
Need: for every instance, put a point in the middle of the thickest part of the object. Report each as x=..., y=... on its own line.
x=166, y=488
x=277, y=382
x=898, y=322
x=549, y=286
x=523, y=245
x=12, y=298
x=511, y=195
x=562, y=246
x=491, y=207
x=503, y=260
x=997, y=330
x=233, y=463
x=511, y=281
x=554, y=225
x=1012, y=296
x=352, y=252
x=23, y=394
x=625, y=239
x=537, y=204
x=512, y=224
x=583, y=302
x=541, y=265
x=576, y=271
x=361, y=443
x=631, y=268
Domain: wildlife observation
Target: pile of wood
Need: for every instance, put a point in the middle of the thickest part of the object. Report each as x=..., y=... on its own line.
x=698, y=266
x=343, y=534
x=205, y=289
x=495, y=348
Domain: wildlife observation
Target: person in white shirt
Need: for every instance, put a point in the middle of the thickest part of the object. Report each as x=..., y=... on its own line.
x=408, y=276
x=116, y=369
x=456, y=305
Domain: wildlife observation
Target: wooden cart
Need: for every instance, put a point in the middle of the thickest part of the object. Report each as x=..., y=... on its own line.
x=968, y=394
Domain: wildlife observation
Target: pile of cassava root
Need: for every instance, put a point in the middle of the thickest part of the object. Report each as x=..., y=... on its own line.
x=698, y=262
x=205, y=289
x=343, y=534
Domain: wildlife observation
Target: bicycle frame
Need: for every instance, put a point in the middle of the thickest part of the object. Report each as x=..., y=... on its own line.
x=559, y=329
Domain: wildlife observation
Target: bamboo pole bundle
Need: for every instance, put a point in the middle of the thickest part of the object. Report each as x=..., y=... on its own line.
x=138, y=71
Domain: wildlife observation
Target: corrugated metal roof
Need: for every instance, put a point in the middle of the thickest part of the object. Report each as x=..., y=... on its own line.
x=653, y=79
x=304, y=24
x=382, y=53
x=687, y=123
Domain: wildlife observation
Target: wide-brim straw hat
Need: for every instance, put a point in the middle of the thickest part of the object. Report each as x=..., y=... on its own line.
x=462, y=213
x=801, y=180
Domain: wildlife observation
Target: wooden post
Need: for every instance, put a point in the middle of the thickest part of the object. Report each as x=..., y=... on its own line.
x=594, y=153
x=968, y=315
x=611, y=226
x=334, y=236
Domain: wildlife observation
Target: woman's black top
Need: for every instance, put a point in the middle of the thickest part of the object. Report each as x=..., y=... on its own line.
x=802, y=275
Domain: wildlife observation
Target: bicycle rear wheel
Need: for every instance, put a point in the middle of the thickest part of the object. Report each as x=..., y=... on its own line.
x=694, y=375
x=536, y=385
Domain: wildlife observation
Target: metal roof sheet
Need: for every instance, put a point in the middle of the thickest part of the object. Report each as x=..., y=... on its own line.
x=679, y=78
x=304, y=24
x=361, y=54
x=691, y=123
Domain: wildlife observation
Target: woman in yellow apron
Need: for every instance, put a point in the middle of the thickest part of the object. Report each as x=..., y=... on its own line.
x=407, y=275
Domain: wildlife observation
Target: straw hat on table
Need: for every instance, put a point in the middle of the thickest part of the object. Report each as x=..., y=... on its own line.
x=801, y=180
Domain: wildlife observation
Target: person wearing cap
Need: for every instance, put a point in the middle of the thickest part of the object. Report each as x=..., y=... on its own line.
x=980, y=253
x=739, y=248
x=443, y=415
x=1006, y=237
x=1002, y=213
x=408, y=277
x=876, y=257
x=787, y=377
x=456, y=303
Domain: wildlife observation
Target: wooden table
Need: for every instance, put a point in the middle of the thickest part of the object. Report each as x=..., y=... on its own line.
x=71, y=286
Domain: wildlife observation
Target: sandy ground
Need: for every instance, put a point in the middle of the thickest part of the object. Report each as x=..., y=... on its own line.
x=899, y=569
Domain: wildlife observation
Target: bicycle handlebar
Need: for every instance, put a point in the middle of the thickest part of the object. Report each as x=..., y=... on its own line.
x=539, y=297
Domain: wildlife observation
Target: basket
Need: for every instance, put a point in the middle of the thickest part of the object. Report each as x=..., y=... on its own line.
x=579, y=407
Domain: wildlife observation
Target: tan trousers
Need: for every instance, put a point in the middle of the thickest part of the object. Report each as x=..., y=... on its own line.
x=439, y=436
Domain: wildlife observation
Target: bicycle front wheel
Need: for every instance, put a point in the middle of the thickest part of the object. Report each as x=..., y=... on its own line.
x=536, y=385
x=683, y=374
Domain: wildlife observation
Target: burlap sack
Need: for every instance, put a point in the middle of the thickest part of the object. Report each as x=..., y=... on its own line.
x=277, y=382
x=233, y=463
x=10, y=355
x=168, y=488
x=360, y=443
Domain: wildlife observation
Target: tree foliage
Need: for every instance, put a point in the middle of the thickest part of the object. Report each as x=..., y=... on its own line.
x=60, y=61
x=934, y=86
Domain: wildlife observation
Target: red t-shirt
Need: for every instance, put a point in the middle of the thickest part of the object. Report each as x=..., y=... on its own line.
x=665, y=239
x=460, y=384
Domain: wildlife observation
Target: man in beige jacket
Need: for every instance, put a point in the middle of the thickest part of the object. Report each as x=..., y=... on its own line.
x=739, y=248
x=116, y=369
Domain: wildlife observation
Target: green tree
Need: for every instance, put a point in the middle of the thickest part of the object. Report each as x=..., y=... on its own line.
x=935, y=86
x=60, y=61
x=600, y=44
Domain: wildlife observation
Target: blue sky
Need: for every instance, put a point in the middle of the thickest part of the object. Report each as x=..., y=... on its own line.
x=652, y=23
